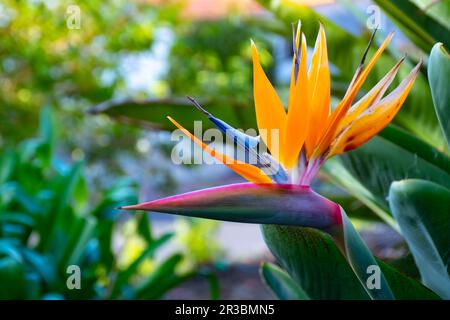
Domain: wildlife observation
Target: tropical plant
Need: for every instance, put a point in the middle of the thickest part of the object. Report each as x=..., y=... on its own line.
x=380, y=173
x=49, y=221
x=368, y=172
x=304, y=230
x=413, y=199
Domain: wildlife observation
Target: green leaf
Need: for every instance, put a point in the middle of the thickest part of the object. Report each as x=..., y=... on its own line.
x=417, y=146
x=340, y=176
x=17, y=218
x=162, y=279
x=43, y=265
x=80, y=233
x=8, y=161
x=421, y=28
x=405, y=287
x=422, y=209
x=12, y=271
x=356, y=173
x=417, y=115
x=80, y=197
x=360, y=258
x=12, y=278
x=281, y=283
x=125, y=275
x=33, y=285
x=395, y=156
x=439, y=77
x=406, y=265
x=214, y=285
x=439, y=10
x=54, y=223
x=144, y=228
x=152, y=113
x=313, y=260
x=46, y=136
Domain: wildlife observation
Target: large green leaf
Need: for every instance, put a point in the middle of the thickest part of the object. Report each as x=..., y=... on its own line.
x=357, y=176
x=422, y=209
x=282, y=285
x=439, y=10
x=439, y=77
x=416, y=146
x=360, y=259
x=312, y=259
x=421, y=28
x=152, y=113
x=335, y=171
x=417, y=115
x=395, y=155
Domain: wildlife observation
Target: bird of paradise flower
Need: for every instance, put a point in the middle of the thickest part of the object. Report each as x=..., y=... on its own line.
x=308, y=134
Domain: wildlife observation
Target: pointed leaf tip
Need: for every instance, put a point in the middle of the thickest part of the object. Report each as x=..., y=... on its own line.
x=251, y=203
x=439, y=76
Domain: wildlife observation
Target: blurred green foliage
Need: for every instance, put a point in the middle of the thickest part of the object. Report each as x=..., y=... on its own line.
x=50, y=220
x=198, y=240
x=44, y=61
x=212, y=59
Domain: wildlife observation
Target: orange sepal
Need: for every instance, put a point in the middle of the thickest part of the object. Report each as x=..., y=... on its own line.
x=249, y=172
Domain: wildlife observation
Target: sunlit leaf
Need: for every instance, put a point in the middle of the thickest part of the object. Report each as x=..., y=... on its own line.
x=423, y=29
x=439, y=77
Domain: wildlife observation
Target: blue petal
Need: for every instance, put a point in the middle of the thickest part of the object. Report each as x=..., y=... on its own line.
x=250, y=144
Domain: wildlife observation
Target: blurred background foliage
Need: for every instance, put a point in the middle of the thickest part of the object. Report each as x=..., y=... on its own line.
x=49, y=220
x=46, y=63
x=132, y=63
